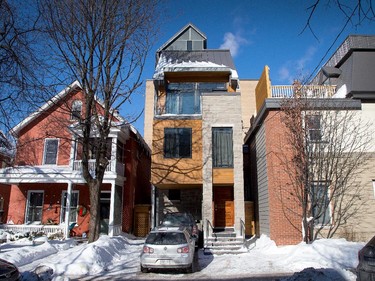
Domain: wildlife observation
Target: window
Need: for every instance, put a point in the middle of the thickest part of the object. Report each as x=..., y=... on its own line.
x=314, y=127
x=184, y=98
x=73, y=206
x=320, y=203
x=120, y=152
x=222, y=147
x=34, y=207
x=177, y=142
x=50, y=151
x=174, y=195
x=76, y=110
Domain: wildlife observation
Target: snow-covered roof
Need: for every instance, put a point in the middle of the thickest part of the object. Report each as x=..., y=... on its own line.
x=198, y=61
x=44, y=107
x=74, y=86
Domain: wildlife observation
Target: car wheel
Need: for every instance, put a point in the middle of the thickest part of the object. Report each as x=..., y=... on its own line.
x=189, y=269
x=144, y=269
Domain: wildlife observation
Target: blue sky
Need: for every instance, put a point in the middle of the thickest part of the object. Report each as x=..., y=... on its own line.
x=259, y=33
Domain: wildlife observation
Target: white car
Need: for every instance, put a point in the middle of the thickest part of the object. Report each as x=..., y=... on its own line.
x=168, y=247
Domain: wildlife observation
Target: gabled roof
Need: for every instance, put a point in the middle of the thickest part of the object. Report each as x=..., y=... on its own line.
x=15, y=130
x=74, y=86
x=178, y=34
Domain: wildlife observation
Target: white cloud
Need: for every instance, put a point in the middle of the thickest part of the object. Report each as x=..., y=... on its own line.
x=233, y=42
x=297, y=69
x=284, y=73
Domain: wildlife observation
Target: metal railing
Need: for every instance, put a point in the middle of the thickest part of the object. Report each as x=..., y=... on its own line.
x=308, y=91
x=242, y=229
x=208, y=233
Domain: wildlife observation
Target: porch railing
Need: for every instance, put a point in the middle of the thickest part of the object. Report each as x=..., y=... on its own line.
x=308, y=91
x=23, y=228
x=113, y=166
x=243, y=229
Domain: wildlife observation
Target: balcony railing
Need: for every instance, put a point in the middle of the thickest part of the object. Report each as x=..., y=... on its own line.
x=113, y=166
x=308, y=91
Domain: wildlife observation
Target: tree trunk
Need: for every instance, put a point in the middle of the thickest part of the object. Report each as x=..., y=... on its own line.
x=94, y=225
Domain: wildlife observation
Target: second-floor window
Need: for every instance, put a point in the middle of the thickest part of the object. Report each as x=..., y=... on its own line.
x=314, y=127
x=50, y=151
x=177, y=142
x=222, y=147
x=76, y=110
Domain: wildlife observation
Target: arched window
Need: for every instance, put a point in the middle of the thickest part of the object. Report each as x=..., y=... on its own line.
x=76, y=110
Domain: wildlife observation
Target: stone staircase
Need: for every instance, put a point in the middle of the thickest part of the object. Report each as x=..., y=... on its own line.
x=224, y=241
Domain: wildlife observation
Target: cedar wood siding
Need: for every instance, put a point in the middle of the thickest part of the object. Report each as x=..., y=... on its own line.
x=170, y=171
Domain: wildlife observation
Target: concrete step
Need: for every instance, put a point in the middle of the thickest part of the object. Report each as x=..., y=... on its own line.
x=227, y=243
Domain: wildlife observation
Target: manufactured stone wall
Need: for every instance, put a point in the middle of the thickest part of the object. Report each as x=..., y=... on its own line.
x=222, y=109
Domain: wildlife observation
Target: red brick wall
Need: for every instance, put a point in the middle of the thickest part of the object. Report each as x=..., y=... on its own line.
x=52, y=123
x=137, y=188
x=51, y=204
x=285, y=219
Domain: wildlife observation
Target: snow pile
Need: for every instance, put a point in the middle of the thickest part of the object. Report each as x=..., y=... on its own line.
x=333, y=259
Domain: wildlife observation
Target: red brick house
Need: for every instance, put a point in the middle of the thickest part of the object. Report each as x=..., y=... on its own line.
x=46, y=183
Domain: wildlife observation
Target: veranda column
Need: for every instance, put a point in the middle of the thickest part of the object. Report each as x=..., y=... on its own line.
x=67, y=208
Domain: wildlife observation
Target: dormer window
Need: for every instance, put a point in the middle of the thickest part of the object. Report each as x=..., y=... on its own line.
x=76, y=110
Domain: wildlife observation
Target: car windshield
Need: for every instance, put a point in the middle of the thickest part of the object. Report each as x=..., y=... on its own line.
x=166, y=238
x=176, y=219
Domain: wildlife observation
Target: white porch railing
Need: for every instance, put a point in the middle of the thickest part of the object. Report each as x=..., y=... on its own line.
x=113, y=166
x=23, y=228
x=308, y=91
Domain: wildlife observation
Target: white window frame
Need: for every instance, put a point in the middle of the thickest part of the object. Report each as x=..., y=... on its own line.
x=28, y=206
x=72, y=209
x=320, y=129
x=45, y=150
x=75, y=105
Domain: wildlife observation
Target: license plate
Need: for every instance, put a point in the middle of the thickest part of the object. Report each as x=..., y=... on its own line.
x=165, y=262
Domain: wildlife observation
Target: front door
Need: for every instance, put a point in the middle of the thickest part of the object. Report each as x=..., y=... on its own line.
x=223, y=206
x=105, y=203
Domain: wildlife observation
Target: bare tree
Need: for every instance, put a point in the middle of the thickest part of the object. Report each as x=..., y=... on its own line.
x=326, y=153
x=102, y=44
x=354, y=12
x=18, y=71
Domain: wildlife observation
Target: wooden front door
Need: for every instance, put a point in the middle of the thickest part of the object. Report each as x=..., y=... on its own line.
x=223, y=207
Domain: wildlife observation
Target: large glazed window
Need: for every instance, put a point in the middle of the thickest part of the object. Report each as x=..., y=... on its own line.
x=222, y=147
x=184, y=98
x=50, y=151
x=177, y=142
x=34, y=208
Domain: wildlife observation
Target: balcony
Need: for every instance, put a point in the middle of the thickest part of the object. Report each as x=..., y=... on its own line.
x=113, y=166
x=308, y=91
